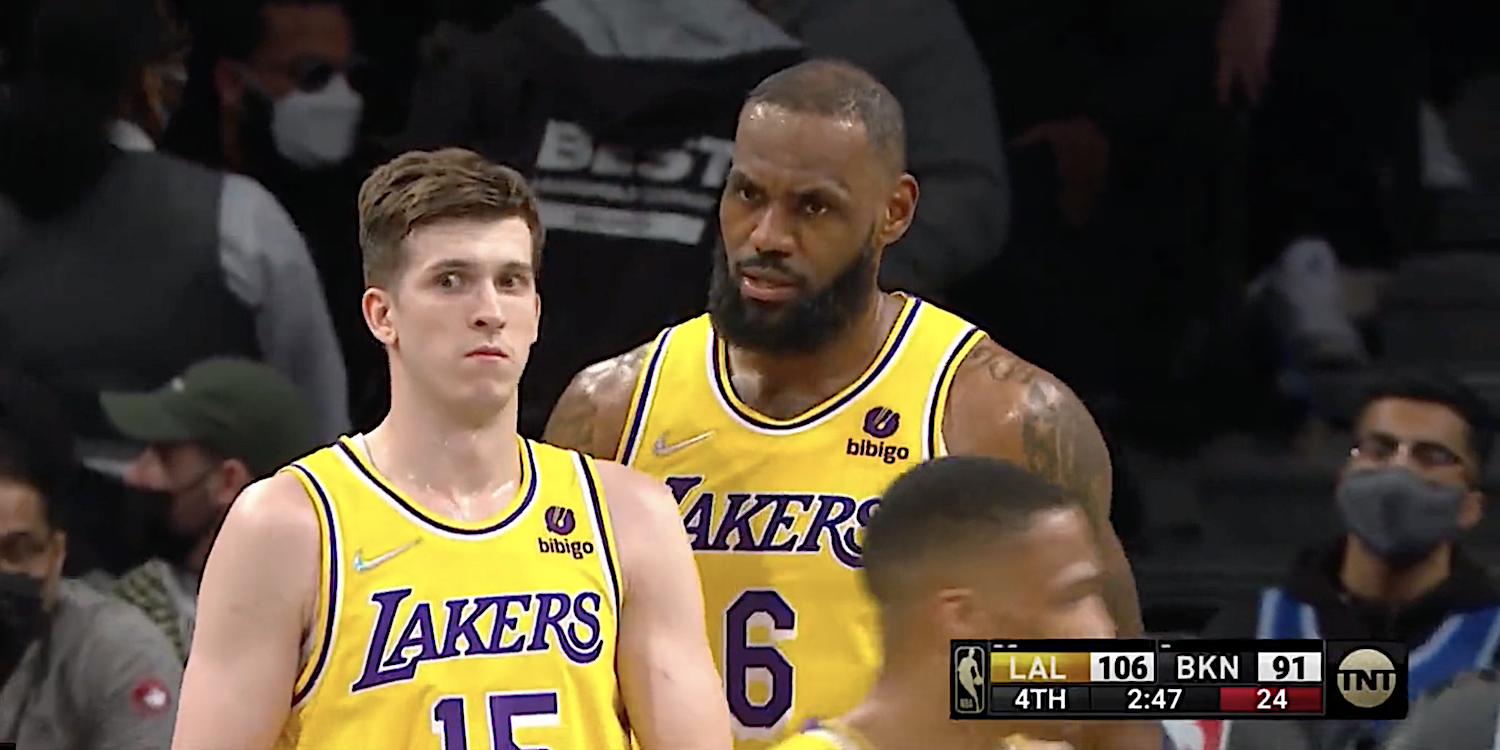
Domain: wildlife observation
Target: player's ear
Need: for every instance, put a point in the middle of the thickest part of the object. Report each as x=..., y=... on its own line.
x=376, y=306
x=956, y=615
x=900, y=207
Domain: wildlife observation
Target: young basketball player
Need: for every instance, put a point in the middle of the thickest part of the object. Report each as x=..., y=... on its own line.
x=963, y=547
x=439, y=582
x=779, y=417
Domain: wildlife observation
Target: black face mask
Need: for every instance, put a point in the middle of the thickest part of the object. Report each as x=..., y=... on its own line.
x=162, y=539
x=23, y=619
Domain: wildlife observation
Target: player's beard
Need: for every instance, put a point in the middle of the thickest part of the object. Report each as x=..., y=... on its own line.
x=800, y=326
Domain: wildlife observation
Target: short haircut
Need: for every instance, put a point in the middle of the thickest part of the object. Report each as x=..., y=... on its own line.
x=944, y=504
x=837, y=89
x=1435, y=386
x=419, y=188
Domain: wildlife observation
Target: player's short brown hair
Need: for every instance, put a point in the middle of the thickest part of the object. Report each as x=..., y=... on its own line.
x=422, y=187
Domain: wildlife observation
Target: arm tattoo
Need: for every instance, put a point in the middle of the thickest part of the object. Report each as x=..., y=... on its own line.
x=591, y=413
x=1058, y=437
x=1060, y=441
x=571, y=424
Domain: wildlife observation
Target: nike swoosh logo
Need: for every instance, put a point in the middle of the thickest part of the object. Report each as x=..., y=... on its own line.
x=361, y=564
x=661, y=448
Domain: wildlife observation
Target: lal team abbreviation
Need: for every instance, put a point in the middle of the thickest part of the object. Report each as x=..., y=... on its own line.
x=1187, y=679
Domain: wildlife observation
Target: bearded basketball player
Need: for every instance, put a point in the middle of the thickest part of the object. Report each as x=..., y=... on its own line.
x=440, y=582
x=963, y=547
x=777, y=418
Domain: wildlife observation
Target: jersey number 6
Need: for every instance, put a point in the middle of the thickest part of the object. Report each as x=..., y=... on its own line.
x=503, y=710
x=740, y=656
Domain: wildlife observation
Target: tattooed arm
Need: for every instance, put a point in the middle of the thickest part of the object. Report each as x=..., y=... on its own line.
x=590, y=416
x=1004, y=407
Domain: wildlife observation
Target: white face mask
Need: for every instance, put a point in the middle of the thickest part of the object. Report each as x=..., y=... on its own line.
x=317, y=128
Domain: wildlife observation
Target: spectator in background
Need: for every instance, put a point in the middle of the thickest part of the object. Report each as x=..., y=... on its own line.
x=78, y=670
x=1343, y=129
x=1110, y=117
x=1408, y=490
x=621, y=113
x=920, y=50
x=124, y=266
x=209, y=433
x=269, y=96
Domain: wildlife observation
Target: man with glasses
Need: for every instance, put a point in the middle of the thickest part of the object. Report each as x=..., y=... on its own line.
x=209, y=433
x=269, y=96
x=78, y=670
x=1409, y=489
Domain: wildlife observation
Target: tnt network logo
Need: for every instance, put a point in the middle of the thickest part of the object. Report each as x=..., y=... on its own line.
x=1369, y=680
x=880, y=423
x=561, y=521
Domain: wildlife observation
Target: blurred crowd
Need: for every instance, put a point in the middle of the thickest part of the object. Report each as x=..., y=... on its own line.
x=1160, y=203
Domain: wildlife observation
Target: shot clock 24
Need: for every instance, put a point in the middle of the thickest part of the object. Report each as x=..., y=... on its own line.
x=1179, y=679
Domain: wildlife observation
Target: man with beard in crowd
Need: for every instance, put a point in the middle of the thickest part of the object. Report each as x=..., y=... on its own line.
x=778, y=418
x=1410, y=487
x=209, y=433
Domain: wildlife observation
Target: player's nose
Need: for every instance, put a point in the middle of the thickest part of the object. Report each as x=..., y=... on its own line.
x=773, y=231
x=489, y=309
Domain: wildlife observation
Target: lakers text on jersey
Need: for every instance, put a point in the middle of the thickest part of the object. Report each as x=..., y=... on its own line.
x=435, y=633
x=775, y=508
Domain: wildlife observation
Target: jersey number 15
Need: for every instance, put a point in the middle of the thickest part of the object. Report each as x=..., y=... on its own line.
x=504, y=712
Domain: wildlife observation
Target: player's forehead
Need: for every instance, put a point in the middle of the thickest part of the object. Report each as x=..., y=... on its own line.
x=779, y=148
x=479, y=243
x=1055, y=551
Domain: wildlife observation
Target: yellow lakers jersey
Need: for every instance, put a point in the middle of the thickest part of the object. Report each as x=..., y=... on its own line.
x=818, y=739
x=435, y=633
x=775, y=508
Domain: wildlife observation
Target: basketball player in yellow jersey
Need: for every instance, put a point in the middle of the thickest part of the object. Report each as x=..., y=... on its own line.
x=440, y=583
x=964, y=548
x=779, y=417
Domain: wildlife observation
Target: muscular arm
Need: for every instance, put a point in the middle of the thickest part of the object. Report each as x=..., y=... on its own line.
x=1004, y=407
x=253, y=607
x=673, y=696
x=590, y=416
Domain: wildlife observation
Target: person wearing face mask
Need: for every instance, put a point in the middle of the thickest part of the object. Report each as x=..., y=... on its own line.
x=78, y=670
x=209, y=433
x=967, y=547
x=125, y=265
x=1407, y=492
x=269, y=95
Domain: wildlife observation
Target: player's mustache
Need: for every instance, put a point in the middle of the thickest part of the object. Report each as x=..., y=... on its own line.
x=776, y=264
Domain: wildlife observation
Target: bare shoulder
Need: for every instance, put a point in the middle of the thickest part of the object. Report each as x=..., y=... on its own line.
x=274, y=508
x=644, y=522
x=1003, y=406
x=638, y=504
x=590, y=416
x=270, y=541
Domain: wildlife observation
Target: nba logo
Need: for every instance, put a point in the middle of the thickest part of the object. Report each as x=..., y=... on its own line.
x=969, y=668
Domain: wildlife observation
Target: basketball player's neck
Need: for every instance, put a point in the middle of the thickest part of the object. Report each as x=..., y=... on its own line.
x=1369, y=578
x=907, y=709
x=430, y=446
x=815, y=376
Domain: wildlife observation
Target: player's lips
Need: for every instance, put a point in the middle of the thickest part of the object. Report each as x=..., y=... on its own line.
x=767, y=286
x=488, y=352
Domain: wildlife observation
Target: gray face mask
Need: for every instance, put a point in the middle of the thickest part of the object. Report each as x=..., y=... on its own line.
x=1399, y=515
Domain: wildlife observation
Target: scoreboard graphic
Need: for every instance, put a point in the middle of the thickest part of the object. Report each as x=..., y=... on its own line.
x=1187, y=679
